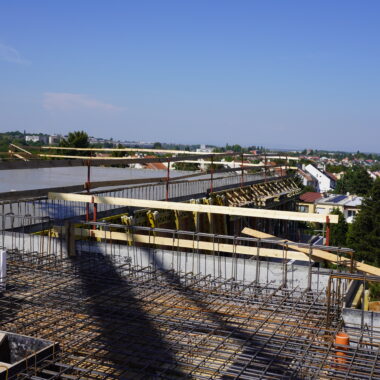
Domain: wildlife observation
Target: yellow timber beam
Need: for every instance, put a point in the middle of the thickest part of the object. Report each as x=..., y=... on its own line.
x=315, y=253
x=163, y=205
x=187, y=243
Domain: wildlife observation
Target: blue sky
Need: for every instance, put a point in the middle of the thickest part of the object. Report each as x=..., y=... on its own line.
x=287, y=74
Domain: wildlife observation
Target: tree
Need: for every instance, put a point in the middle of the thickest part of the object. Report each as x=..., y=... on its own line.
x=118, y=153
x=186, y=166
x=355, y=181
x=364, y=232
x=157, y=145
x=338, y=231
x=76, y=139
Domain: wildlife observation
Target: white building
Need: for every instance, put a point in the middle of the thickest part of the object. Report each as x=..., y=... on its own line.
x=307, y=179
x=349, y=205
x=326, y=181
x=204, y=149
x=55, y=139
x=36, y=138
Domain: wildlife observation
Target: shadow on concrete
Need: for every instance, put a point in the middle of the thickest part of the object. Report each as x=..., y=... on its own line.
x=129, y=339
x=252, y=357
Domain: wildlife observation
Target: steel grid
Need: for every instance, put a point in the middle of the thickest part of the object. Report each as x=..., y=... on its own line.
x=115, y=320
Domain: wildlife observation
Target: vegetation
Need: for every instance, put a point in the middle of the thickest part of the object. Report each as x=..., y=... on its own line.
x=118, y=153
x=10, y=138
x=336, y=168
x=356, y=181
x=76, y=139
x=338, y=231
x=364, y=233
x=304, y=189
x=186, y=166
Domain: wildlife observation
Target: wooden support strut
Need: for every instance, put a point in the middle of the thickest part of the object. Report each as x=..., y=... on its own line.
x=179, y=206
x=317, y=254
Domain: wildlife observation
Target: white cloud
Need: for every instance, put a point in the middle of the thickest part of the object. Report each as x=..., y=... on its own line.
x=10, y=54
x=67, y=101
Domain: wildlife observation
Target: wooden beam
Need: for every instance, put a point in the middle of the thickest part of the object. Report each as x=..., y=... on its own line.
x=125, y=160
x=179, y=206
x=147, y=150
x=185, y=243
x=168, y=151
x=22, y=149
x=316, y=253
x=20, y=156
x=238, y=165
x=282, y=157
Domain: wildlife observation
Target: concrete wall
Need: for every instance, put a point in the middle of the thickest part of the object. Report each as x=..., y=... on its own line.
x=242, y=269
x=295, y=274
x=356, y=318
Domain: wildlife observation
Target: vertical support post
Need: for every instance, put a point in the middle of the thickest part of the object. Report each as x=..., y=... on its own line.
x=95, y=212
x=212, y=175
x=327, y=231
x=363, y=301
x=3, y=269
x=87, y=186
x=265, y=167
x=310, y=273
x=351, y=262
x=242, y=171
x=257, y=280
x=167, y=180
x=70, y=239
x=328, y=296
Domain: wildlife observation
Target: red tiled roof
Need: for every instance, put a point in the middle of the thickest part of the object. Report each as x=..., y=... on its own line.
x=331, y=176
x=310, y=197
x=156, y=166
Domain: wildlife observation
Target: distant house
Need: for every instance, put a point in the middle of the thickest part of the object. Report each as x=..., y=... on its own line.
x=349, y=205
x=155, y=165
x=204, y=149
x=36, y=138
x=54, y=139
x=326, y=181
x=375, y=175
x=307, y=179
x=307, y=201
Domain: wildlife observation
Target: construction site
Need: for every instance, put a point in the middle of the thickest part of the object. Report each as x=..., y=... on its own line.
x=200, y=276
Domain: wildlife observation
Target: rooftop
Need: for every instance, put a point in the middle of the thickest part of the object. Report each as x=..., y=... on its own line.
x=342, y=200
x=310, y=197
